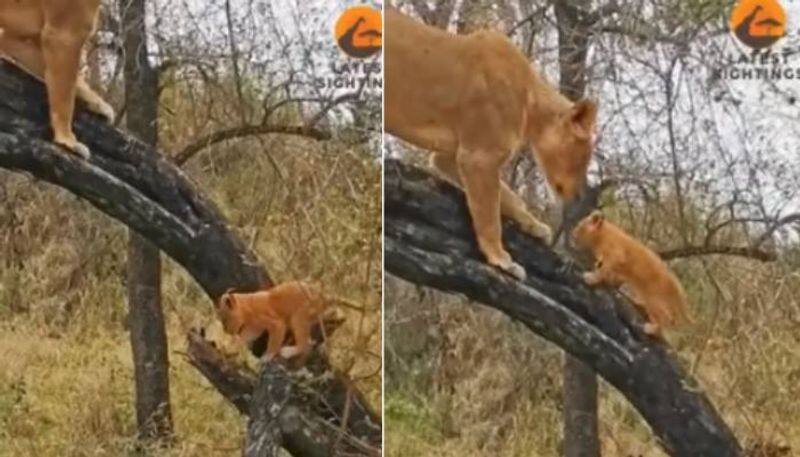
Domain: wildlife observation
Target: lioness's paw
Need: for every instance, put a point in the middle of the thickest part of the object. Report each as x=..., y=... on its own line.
x=539, y=230
x=102, y=108
x=512, y=268
x=75, y=147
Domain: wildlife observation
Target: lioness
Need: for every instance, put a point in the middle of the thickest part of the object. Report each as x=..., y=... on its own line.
x=473, y=100
x=45, y=38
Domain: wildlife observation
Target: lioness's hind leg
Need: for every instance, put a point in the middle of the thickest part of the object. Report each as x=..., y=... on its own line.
x=94, y=102
x=512, y=205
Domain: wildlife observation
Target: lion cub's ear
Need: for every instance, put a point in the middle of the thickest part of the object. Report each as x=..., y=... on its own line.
x=582, y=118
x=596, y=219
x=226, y=300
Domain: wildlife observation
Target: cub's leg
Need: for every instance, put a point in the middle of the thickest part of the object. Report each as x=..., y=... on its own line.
x=61, y=47
x=652, y=324
x=511, y=205
x=480, y=173
x=300, y=324
x=277, y=335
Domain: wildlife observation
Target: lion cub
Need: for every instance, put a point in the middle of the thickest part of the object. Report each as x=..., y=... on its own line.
x=293, y=305
x=46, y=38
x=622, y=260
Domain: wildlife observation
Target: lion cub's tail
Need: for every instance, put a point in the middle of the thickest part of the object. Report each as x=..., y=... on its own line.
x=344, y=303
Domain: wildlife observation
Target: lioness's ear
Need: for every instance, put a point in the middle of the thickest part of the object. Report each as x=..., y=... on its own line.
x=583, y=118
x=596, y=219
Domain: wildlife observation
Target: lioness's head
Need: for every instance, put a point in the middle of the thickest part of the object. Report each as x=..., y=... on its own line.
x=588, y=229
x=563, y=147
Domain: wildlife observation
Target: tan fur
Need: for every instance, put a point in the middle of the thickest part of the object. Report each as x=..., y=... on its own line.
x=293, y=305
x=473, y=100
x=623, y=260
x=46, y=38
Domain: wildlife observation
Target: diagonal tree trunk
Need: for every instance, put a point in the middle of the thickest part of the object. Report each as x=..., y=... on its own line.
x=429, y=242
x=146, y=317
x=579, y=391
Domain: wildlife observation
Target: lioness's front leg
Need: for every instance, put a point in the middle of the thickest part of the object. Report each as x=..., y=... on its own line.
x=480, y=174
x=61, y=47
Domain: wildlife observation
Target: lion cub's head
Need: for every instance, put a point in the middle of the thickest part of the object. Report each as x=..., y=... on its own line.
x=588, y=230
x=564, y=146
x=227, y=313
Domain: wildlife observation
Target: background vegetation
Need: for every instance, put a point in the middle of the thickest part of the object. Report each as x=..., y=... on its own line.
x=309, y=208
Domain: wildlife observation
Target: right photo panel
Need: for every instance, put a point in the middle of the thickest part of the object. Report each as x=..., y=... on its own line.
x=591, y=228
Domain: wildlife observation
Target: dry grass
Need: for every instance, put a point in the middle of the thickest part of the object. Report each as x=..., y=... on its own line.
x=309, y=210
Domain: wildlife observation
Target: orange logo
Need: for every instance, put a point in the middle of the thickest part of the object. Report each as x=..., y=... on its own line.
x=359, y=31
x=758, y=23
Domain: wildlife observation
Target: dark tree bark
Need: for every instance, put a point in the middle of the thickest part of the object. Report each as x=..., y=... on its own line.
x=429, y=241
x=280, y=414
x=146, y=318
x=133, y=183
x=579, y=391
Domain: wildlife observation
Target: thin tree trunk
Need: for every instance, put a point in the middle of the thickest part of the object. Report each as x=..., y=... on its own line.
x=581, y=437
x=146, y=318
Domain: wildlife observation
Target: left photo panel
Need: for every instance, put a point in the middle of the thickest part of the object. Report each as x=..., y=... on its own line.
x=190, y=228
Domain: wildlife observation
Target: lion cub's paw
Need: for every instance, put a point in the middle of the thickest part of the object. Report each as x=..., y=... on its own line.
x=652, y=329
x=288, y=352
x=267, y=358
x=590, y=278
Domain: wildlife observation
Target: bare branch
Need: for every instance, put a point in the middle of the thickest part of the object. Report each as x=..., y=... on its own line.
x=739, y=251
x=246, y=131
